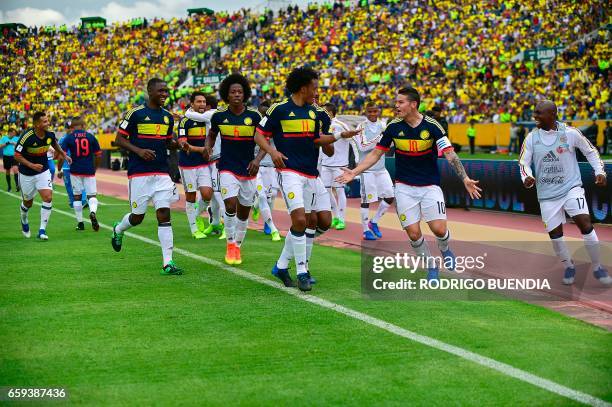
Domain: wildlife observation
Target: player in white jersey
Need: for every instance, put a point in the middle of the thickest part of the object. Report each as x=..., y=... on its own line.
x=375, y=183
x=551, y=148
x=217, y=206
x=331, y=168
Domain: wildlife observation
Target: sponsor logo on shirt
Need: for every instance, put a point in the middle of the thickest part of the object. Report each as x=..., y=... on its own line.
x=550, y=157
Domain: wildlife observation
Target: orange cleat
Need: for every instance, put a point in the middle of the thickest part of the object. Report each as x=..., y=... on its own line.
x=237, y=257
x=229, y=253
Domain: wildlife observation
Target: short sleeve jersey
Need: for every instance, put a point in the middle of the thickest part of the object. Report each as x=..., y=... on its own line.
x=83, y=147
x=34, y=149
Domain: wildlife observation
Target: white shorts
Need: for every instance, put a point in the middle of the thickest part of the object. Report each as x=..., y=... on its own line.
x=267, y=181
x=299, y=191
x=574, y=204
x=157, y=188
x=375, y=185
x=329, y=175
x=232, y=186
x=214, y=177
x=195, y=178
x=323, y=202
x=30, y=184
x=83, y=184
x=416, y=203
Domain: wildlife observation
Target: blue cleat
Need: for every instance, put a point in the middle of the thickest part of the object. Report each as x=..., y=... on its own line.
x=304, y=282
x=374, y=228
x=602, y=275
x=267, y=230
x=569, y=275
x=42, y=235
x=449, y=260
x=25, y=229
x=283, y=275
x=369, y=235
x=432, y=274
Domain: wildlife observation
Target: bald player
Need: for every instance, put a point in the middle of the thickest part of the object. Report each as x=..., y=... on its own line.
x=551, y=148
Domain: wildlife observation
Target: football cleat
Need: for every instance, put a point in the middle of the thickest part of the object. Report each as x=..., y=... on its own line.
x=25, y=229
x=80, y=226
x=94, y=221
x=42, y=235
x=335, y=222
x=171, y=269
x=369, y=235
x=304, y=282
x=267, y=229
x=198, y=235
x=276, y=236
x=432, y=274
x=340, y=225
x=201, y=225
x=449, y=260
x=116, y=238
x=283, y=275
x=229, y=254
x=374, y=228
x=569, y=276
x=222, y=236
x=255, y=215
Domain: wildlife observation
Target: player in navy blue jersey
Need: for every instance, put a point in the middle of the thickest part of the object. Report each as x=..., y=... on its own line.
x=418, y=139
x=85, y=153
x=293, y=126
x=237, y=166
x=195, y=170
x=146, y=133
x=34, y=174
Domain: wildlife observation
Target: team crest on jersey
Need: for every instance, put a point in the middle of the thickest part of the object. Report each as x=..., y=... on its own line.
x=424, y=135
x=403, y=217
x=166, y=120
x=48, y=141
x=248, y=121
x=189, y=186
x=312, y=114
x=259, y=188
x=369, y=196
x=290, y=195
x=134, y=204
x=224, y=191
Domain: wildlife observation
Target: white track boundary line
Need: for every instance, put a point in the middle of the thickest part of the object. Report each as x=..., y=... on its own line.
x=500, y=367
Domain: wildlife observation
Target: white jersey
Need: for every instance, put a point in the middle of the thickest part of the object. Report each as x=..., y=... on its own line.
x=366, y=141
x=553, y=154
x=341, y=147
x=205, y=117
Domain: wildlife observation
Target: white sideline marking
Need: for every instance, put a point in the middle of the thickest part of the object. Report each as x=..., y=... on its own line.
x=389, y=327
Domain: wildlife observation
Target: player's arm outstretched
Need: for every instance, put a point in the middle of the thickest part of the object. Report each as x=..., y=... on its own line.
x=470, y=185
x=60, y=151
x=369, y=160
x=325, y=139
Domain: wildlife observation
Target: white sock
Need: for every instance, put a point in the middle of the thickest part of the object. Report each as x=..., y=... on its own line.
x=191, y=216
x=93, y=204
x=382, y=209
x=286, y=254
x=299, y=252
x=421, y=249
x=23, y=212
x=241, y=229
x=443, y=241
x=166, y=239
x=266, y=213
x=341, y=203
x=272, y=198
x=220, y=204
x=230, y=226
x=124, y=224
x=78, y=210
x=202, y=206
x=310, y=236
x=591, y=243
x=332, y=201
x=365, y=213
x=216, y=215
x=562, y=252
x=45, y=213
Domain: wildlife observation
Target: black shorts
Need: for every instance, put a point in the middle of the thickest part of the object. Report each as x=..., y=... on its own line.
x=8, y=161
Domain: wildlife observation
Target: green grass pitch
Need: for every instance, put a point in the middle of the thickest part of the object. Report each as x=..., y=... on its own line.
x=111, y=330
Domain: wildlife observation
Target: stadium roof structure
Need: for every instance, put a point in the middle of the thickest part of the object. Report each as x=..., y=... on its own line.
x=201, y=10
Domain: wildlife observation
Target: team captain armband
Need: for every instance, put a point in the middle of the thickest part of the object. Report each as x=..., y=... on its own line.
x=443, y=143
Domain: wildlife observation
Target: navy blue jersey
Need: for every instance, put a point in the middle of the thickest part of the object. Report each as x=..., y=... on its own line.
x=83, y=147
x=148, y=129
x=416, y=150
x=34, y=149
x=237, y=139
x=294, y=129
x=193, y=133
x=324, y=120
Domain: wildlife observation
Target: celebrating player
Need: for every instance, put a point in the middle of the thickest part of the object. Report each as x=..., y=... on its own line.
x=418, y=139
x=146, y=132
x=294, y=127
x=85, y=153
x=34, y=174
x=551, y=147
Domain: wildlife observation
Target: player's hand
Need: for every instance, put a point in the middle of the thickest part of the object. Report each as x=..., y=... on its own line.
x=278, y=159
x=347, y=177
x=529, y=182
x=350, y=133
x=253, y=168
x=472, y=187
x=186, y=147
x=68, y=159
x=145, y=154
x=37, y=167
x=601, y=180
x=206, y=153
x=60, y=174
